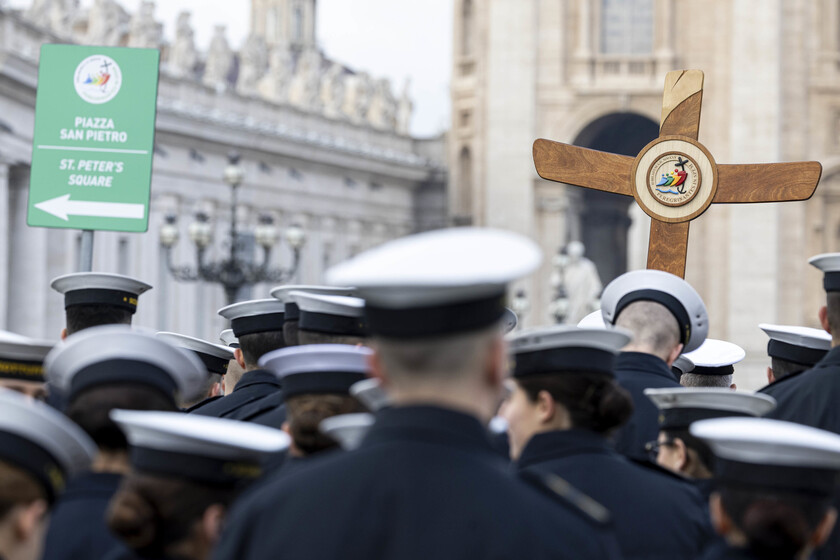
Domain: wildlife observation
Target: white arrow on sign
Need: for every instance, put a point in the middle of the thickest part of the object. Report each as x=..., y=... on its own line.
x=62, y=207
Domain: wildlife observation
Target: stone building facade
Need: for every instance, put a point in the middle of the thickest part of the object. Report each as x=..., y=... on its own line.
x=322, y=145
x=591, y=72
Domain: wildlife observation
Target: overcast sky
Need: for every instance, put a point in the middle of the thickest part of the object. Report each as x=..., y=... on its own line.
x=395, y=39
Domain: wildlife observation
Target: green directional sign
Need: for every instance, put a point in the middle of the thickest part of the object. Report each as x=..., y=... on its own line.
x=94, y=138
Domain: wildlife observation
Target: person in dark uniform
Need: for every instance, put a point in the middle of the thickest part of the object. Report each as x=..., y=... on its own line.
x=258, y=326
x=22, y=365
x=234, y=371
x=186, y=470
x=322, y=319
x=425, y=482
x=291, y=309
x=792, y=350
x=39, y=450
x=675, y=448
x=563, y=404
x=714, y=365
x=215, y=359
x=666, y=317
x=811, y=397
x=774, y=483
x=316, y=385
x=102, y=368
x=682, y=365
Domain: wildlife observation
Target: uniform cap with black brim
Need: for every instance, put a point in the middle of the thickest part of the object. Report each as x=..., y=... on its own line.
x=679, y=407
x=254, y=316
x=594, y=320
x=214, y=451
x=99, y=288
x=369, y=392
x=24, y=360
x=347, y=429
x=281, y=293
x=716, y=357
x=677, y=295
x=829, y=264
x=509, y=320
x=229, y=339
x=438, y=283
x=114, y=354
x=318, y=368
x=337, y=315
x=215, y=357
x=760, y=453
x=42, y=441
x=682, y=365
x=800, y=345
x=559, y=349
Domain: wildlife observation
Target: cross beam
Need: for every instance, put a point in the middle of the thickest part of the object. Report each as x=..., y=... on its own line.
x=675, y=178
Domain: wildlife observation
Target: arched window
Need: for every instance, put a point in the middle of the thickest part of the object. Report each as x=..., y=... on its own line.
x=465, y=183
x=467, y=27
x=627, y=26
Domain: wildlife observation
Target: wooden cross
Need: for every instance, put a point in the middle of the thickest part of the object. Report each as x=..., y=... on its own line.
x=674, y=178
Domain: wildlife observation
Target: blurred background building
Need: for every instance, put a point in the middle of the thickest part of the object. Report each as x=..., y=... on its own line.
x=591, y=72
x=323, y=146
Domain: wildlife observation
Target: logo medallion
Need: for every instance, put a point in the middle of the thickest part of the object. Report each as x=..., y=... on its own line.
x=97, y=79
x=674, y=179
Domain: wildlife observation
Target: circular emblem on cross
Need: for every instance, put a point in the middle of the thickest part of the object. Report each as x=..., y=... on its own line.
x=675, y=179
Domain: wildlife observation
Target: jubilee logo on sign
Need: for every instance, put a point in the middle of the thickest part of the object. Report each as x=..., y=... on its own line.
x=98, y=79
x=94, y=138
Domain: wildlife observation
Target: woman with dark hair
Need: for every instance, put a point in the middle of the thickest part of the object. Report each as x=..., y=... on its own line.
x=186, y=471
x=563, y=406
x=774, y=487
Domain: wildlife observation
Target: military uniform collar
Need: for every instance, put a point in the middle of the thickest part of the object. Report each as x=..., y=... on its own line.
x=830, y=359
x=642, y=361
x=561, y=443
x=256, y=377
x=428, y=423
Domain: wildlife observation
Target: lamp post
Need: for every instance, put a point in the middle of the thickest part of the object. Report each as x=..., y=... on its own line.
x=233, y=272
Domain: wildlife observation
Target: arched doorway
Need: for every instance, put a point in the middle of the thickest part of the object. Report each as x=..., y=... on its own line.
x=604, y=219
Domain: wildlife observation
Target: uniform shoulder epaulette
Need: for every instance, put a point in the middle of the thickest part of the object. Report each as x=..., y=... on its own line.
x=562, y=491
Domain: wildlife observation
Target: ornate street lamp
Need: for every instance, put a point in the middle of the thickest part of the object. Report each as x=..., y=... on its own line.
x=233, y=273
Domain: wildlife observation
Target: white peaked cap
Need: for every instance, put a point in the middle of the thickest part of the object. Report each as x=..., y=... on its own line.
x=347, y=429
x=677, y=295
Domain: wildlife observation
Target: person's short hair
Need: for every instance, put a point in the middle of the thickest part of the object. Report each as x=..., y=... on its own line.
x=776, y=524
x=595, y=401
x=290, y=333
x=150, y=513
x=90, y=409
x=833, y=306
x=304, y=414
x=17, y=486
x=699, y=380
x=255, y=345
x=81, y=317
x=436, y=358
x=652, y=325
x=784, y=368
x=312, y=337
x=703, y=452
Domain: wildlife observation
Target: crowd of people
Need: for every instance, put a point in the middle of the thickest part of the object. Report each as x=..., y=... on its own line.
x=398, y=413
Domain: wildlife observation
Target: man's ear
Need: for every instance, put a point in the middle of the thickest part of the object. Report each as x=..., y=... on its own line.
x=286, y=427
x=734, y=387
x=823, y=315
x=376, y=370
x=211, y=522
x=675, y=353
x=240, y=359
x=771, y=377
x=63, y=333
x=29, y=519
x=217, y=389
x=721, y=522
x=820, y=536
